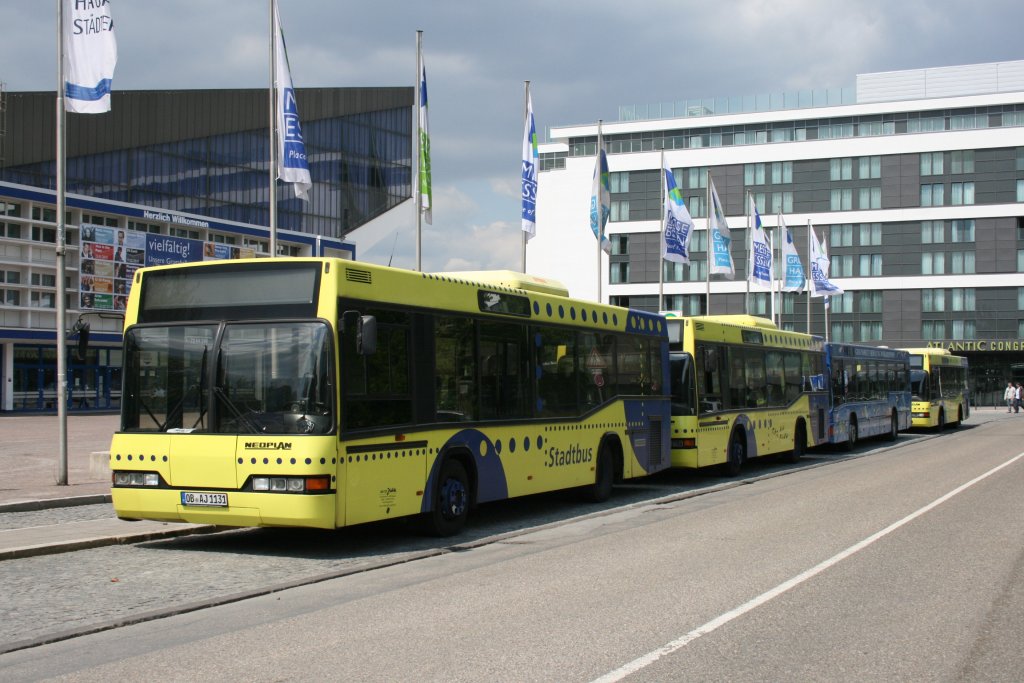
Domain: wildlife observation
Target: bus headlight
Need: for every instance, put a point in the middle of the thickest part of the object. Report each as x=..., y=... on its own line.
x=136, y=479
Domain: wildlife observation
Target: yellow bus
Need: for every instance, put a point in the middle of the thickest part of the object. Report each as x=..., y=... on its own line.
x=743, y=388
x=325, y=393
x=938, y=387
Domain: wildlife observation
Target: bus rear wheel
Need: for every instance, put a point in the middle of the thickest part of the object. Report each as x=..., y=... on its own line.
x=451, y=501
x=942, y=419
x=851, y=434
x=799, y=444
x=736, y=455
x=894, y=428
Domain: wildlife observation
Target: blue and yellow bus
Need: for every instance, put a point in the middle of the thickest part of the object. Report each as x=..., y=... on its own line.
x=869, y=392
x=743, y=388
x=938, y=382
x=325, y=393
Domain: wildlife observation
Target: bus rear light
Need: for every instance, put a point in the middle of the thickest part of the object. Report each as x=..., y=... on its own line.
x=316, y=484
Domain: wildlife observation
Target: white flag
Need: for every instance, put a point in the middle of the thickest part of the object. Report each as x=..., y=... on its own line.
x=760, y=252
x=292, y=165
x=678, y=228
x=820, y=284
x=720, y=238
x=530, y=158
x=794, y=279
x=90, y=55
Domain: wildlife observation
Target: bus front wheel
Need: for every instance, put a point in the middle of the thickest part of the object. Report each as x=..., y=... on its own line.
x=736, y=455
x=604, y=477
x=851, y=434
x=894, y=428
x=451, y=500
x=942, y=419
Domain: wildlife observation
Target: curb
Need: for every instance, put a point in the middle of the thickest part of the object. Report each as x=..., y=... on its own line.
x=47, y=503
x=101, y=541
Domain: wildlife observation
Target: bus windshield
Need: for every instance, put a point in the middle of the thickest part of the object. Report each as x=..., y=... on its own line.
x=245, y=379
x=919, y=385
x=681, y=365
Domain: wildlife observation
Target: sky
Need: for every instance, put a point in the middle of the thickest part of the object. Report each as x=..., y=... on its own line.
x=583, y=59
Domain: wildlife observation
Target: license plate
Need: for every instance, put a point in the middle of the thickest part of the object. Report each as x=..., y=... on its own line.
x=204, y=499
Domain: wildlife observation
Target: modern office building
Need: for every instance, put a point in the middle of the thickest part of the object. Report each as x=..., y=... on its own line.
x=166, y=177
x=914, y=178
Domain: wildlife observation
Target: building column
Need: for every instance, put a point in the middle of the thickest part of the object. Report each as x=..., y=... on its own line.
x=7, y=378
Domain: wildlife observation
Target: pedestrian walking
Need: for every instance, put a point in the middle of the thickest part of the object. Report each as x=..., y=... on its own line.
x=1010, y=395
x=1016, y=398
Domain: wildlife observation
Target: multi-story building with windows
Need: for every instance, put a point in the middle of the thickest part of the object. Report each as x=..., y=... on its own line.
x=914, y=178
x=166, y=176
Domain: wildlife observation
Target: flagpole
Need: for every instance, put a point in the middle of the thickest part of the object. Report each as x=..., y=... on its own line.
x=707, y=296
x=808, y=279
x=750, y=248
x=417, y=183
x=62, y=372
x=525, y=123
x=661, y=255
x=600, y=211
x=771, y=243
x=274, y=28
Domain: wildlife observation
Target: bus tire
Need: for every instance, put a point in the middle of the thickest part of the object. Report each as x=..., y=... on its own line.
x=737, y=453
x=604, y=477
x=894, y=427
x=448, y=515
x=799, y=444
x=851, y=434
x=959, y=417
x=942, y=419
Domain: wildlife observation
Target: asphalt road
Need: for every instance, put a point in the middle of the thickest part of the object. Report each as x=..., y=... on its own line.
x=903, y=565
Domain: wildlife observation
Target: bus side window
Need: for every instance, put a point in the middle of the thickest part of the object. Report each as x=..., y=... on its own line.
x=794, y=376
x=709, y=378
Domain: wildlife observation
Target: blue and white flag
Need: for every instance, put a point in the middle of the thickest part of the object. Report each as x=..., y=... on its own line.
x=292, y=165
x=760, y=252
x=423, y=127
x=90, y=55
x=820, y=284
x=675, y=243
x=530, y=158
x=601, y=196
x=720, y=238
x=794, y=279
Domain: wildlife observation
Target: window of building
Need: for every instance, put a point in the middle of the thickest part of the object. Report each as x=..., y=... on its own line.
x=841, y=200
x=1020, y=260
x=933, y=300
x=1020, y=190
x=618, y=273
x=931, y=163
x=144, y=227
x=1020, y=158
x=1020, y=298
x=870, y=198
x=870, y=234
x=870, y=128
x=1020, y=329
x=933, y=329
x=871, y=330
x=962, y=298
x=10, y=209
x=961, y=262
x=961, y=194
x=13, y=277
x=753, y=174
x=929, y=124
x=782, y=172
x=620, y=210
x=44, y=280
x=44, y=234
x=968, y=121
x=870, y=302
x=760, y=303
x=620, y=244
x=782, y=202
x=671, y=271
x=841, y=303
x=45, y=215
x=619, y=181
x=42, y=300
x=218, y=238
x=788, y=302
x=760, y=200
x=870, y=265
x=932, y=195
x=933, y=232
x=842, y=266
x=870, y=167
x=842, y=331
x=841, y=235
x=698, y=271
x=963, y=329
x=963, y=231
x=933, y=263
x=697, y=177
x=183, y=232
x=699, y=240
x=962, y=162
x=698, y=205
x=94, y=219
x=13, y=231
x=835, y=130
x=841, y=169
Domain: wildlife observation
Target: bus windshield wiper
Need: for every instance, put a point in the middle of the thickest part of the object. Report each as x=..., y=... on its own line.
x=239, y=415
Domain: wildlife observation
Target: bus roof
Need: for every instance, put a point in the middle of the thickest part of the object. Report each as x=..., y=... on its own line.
x=511, y=278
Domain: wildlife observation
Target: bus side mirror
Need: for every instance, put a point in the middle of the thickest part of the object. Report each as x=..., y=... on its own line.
x=82, y=328
x=366, y=335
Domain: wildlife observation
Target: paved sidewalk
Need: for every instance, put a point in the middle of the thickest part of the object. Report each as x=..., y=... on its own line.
x=30, y=454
